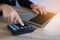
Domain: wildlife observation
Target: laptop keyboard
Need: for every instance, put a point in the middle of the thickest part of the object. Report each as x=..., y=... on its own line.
x=40, y=19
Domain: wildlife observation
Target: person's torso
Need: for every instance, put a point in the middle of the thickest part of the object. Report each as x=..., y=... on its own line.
x=10, y=2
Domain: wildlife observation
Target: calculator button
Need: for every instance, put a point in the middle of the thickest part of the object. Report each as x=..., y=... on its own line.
x=22, y=28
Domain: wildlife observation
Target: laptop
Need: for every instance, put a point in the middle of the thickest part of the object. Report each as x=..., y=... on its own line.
x=38, y=20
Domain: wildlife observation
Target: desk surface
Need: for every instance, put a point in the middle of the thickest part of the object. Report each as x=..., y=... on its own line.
x=50, y=32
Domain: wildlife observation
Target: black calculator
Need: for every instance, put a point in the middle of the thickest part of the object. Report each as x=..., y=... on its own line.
x=17, y=29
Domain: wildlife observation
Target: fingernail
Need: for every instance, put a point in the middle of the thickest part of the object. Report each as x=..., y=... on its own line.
x=22, y=24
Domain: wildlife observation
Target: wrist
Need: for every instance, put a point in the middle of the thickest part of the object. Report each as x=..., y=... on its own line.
x=32, y=5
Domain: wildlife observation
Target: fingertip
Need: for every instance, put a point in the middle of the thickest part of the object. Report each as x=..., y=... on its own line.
x=45, y=13
x=42, y=13
x=22, y=24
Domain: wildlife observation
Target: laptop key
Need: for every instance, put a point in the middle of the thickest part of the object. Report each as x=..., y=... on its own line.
x=39, y=19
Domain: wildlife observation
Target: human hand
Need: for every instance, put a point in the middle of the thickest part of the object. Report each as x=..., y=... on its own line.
x=39, y=9
x=11, y=15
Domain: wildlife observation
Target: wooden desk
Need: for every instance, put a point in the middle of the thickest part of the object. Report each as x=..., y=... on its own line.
x=50, y=32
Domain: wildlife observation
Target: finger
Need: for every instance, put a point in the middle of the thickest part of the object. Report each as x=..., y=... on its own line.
x=44, y=11
x=36, y=11
x=15, y=20
x=20, y=21
x=12, y=18
x=9, y=19
x=5, y=17
x=40, y=11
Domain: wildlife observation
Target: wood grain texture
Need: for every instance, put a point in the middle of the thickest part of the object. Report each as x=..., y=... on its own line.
x=38, y=34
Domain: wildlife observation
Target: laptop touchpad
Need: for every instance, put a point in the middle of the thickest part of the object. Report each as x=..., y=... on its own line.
x=27, y=16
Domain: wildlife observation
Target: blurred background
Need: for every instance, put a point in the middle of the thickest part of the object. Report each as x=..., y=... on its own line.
x=51, y=5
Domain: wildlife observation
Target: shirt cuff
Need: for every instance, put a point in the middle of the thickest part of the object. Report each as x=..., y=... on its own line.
x=28, y=5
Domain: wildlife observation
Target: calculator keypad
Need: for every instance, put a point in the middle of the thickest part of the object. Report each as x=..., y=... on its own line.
x=17, y=29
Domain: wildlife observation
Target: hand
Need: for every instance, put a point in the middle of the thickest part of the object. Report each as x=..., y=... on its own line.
x=11, y=15
x=39, y=9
